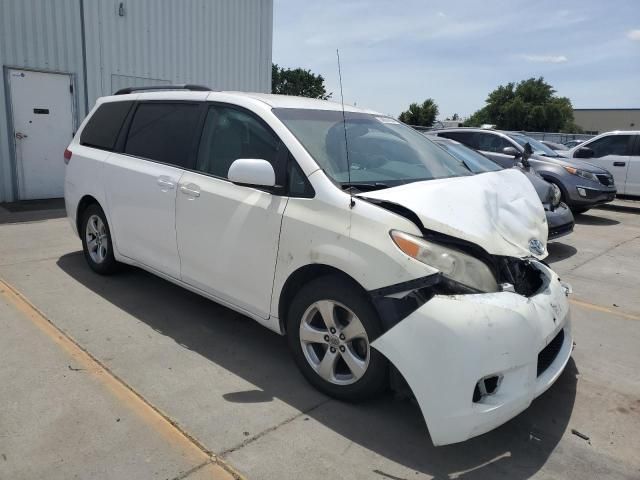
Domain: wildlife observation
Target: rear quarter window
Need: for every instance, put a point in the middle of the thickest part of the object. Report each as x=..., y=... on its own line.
x=102, y=129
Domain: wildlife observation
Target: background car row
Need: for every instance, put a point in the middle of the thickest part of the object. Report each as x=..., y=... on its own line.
x=582, y=184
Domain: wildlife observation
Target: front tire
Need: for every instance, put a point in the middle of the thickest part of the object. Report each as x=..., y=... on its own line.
x=96, y=241
x=330, y=327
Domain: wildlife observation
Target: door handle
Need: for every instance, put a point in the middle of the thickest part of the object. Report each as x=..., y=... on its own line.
x=190, y=189
x=20, y=135
x=166, y=183
x=619, y=164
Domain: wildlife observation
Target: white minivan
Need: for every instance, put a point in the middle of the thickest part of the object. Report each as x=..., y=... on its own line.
x=381, y=257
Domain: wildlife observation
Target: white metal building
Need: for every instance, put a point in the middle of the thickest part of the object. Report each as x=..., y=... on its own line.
x=58, y=56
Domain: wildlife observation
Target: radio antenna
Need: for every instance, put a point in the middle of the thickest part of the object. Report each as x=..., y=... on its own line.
x=344, y=124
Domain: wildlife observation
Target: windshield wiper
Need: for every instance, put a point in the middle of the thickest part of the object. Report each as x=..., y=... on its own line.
x=364, y=186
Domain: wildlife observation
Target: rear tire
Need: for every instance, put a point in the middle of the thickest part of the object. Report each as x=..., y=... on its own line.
x=96, y=241
x=330, y=326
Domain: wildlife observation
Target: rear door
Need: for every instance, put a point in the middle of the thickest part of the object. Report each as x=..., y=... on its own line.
x=228, y=234
x=632, y=186
x=141, y=182
x=613, y=153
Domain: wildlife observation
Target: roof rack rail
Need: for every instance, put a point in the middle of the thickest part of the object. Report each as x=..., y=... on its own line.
x=184, y=86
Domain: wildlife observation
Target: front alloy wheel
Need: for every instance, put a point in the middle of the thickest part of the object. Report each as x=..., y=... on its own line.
x=330, y=326
x=334, y=342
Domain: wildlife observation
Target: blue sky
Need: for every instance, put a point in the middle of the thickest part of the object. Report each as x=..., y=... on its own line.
x=397, y=52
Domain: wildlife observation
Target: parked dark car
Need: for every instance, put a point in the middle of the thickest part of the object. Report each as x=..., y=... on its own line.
x=554, y=146
x=582, y=184
x=559, y=217
x=573, y=143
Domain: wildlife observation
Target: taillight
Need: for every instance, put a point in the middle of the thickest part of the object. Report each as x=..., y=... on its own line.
x=67, y=156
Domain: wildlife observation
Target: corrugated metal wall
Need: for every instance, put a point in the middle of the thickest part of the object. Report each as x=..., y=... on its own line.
x=39, y=35
x=225, y=44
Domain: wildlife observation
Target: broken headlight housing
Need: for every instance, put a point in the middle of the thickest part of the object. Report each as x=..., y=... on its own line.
x=453, y=264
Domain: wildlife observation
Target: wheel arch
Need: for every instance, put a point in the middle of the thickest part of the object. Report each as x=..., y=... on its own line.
x=83, y=204
x=299, y=278
x=549, y=177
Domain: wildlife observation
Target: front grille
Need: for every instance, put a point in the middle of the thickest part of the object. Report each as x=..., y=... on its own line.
x=605, y=179
x=550, y=352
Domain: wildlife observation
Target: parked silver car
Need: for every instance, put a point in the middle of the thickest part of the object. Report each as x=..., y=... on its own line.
x=582, y=184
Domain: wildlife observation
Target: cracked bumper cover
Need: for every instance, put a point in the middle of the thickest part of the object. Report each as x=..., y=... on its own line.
x=446, y=346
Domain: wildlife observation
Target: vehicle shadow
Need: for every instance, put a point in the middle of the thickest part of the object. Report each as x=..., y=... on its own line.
x=388, y=426
x=590, y=219
x=32, y=210
x=559, y=251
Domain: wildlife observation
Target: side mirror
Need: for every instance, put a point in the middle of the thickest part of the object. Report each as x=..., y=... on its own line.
x=584, y=152
x=511, y=151
x=526, y=153
x=252, y=172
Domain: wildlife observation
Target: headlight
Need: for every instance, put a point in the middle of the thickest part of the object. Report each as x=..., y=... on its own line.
x=581, y=173
x=556, y=195
x=453, y=264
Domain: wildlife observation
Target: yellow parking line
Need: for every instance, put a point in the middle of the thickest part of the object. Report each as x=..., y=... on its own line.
x=197, y=452
x=600, y=308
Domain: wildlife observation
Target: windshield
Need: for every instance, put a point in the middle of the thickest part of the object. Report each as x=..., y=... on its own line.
x=539, y=148
x=476, y=162
x=382, y=151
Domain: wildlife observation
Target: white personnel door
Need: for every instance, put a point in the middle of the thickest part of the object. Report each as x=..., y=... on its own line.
x=41, y=104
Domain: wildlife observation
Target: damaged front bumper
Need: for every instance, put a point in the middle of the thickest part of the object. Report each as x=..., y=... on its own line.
x=474, y=361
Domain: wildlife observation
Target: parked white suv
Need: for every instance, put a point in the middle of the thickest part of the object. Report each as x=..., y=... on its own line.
x=355, y=236
x=618, y=152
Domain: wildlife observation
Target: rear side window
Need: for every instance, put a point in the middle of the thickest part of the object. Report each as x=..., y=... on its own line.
x=163, y=132
x=103, y=127
x=467, y=138
x=489, y=142
x=611, y=145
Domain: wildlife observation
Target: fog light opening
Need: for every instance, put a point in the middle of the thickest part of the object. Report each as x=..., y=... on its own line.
x=582, y=192
x=486, y=386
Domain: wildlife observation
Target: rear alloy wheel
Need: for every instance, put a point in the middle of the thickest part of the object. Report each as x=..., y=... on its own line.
x=331, y=325
x=96, y=241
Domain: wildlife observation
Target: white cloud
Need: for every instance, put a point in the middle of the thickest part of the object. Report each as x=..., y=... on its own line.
x=633, y=34
x=441, y=14
x=546, y=58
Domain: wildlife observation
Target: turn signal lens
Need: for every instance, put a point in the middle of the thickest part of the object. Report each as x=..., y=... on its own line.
x=67, y=156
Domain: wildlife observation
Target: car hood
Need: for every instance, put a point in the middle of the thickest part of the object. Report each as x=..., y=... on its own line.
x=498, y=211
x=571, y=162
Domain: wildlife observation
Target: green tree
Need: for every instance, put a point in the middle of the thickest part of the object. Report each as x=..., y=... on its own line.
x=528, y=105
x=297, y=81
x=423, y=115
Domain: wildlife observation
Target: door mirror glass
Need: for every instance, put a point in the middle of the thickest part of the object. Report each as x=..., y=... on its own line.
x=252, y=172
x=584, y=152
x=511, y=151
